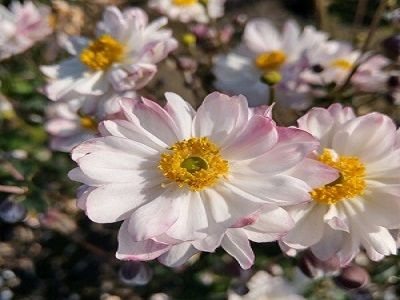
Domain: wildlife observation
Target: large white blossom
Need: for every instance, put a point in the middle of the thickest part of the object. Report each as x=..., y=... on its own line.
x=21, y=26
x=174, y=175
x=122, y=57
x=190, y=10
x=362, y=205
x=265, y=49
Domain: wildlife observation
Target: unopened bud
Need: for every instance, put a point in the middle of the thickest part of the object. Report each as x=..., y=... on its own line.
x=313, y=267
x=240, y=288
x=271, y=77
x=352, y=277
x=135, y=273
x=189, y=39
x=11, y=212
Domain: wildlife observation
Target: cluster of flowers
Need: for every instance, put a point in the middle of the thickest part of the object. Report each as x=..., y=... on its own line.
x=185, y=181
x=310, y=66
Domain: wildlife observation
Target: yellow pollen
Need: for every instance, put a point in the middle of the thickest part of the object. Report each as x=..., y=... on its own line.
x=184, y=2
x=102, y=53
x=343, y=64
x=351, y=181
x=88, y=123
x=270, y=60
x=195, y=163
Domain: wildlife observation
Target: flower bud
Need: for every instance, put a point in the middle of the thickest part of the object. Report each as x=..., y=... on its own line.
x=189, y=39
x=11, y=212
x=352, y=277
x=240, y=288
x=271, y=77
x=313, y=267
x=391, y=47
x=135, y=273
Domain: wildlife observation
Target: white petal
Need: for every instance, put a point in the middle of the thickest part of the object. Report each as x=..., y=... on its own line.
x=181, y=112
x=157, y=216
x=143, y=250
x=261, y=36
x=178, y=255
x=220, y=117
x=235, y=242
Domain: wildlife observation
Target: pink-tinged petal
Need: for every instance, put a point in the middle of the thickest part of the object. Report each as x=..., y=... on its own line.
x=112, y=144
x=341, y=114
x=62, y=127
x=329, y=245
x=350, y=248
x=261, y=36
x=287, y=250
x=210, y=243
x=263, y=110
x=158, y=51
x=132, y=131
x=66, y=144
x=157, y=216
x=319, y=123
x=259, y=136
x=115, y=202
x=295, y=136
x=272, y=219
x=113, y=22
x=132, y=77
x=181, y=112
x=225, y=207
x=281, y=190
x=309, y=226
x=368, y=137
x=178, y=255
x=153, y=118
x=336, y=218
x=136, y=16
x=247, y=221
x=192, y=223
x=128, y=249
x=114, y=167
x=221, y=118
x=235, y=242
x=314, y=173
x=280, y=159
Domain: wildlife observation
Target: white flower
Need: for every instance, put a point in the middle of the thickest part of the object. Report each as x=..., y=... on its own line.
x=359, y=208
x=190, y=10
x=122, y=57
x=265, y=49
x=22, y=26
x=68, y=129
x=173, y=174
x=331, y=62
x=263, y=286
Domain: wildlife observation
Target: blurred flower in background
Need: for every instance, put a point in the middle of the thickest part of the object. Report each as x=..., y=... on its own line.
x=22, y=26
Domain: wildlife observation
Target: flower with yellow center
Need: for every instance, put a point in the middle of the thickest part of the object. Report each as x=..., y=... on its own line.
x=195, y=163
x=358, y=209
x=176, y=175
x=351, y=181
x=102, y=53
x=343, y=64
x=271, y=60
